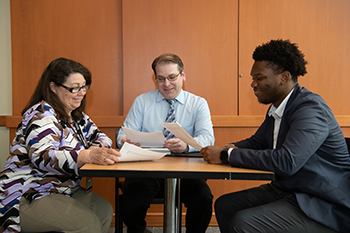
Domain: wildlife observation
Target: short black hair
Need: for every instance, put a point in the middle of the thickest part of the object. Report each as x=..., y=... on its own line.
x=282, y=55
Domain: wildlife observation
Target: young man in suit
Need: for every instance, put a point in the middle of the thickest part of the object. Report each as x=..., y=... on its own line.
x=301, y=142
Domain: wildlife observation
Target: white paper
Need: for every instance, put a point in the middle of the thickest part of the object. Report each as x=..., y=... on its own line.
x=155, y=139
x=130, y=152
x=179, y=132
x=158, y=149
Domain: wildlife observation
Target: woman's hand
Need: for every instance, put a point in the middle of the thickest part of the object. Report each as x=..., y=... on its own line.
x=98, y=155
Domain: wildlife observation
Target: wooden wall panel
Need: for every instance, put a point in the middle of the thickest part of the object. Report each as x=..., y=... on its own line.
x=227, y=135
x=320, y=29
x=203, y=33
x=86, y=31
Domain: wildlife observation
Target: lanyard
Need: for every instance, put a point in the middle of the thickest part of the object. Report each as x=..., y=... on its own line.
x=79, y=134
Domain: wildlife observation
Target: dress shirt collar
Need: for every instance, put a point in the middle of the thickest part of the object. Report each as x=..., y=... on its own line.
x=277, y=113
x=180, y=98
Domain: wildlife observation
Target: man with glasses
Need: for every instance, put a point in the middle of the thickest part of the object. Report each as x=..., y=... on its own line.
x=169, y=103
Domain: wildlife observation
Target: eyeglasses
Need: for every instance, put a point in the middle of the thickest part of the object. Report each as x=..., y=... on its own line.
x=171, y=78
x=75, y=90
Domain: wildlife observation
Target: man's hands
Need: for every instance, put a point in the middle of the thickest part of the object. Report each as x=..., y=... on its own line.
x=98, y=155
x=124, y=139
x=211, y=154
x=176, y=145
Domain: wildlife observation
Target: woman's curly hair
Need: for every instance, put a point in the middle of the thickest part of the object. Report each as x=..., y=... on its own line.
x=282, y=55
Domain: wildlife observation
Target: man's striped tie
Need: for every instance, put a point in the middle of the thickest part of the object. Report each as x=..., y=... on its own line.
x=170, y=118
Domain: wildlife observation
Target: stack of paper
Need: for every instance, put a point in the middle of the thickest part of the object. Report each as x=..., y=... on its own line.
x=155, y=139
x=152, y=143
x=131, y=152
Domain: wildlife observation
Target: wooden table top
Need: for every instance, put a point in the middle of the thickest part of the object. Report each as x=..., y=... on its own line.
x=174, y=167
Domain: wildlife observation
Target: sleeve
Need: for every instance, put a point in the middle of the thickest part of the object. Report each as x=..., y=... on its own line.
x=93, y=135
x=203, y=126
x=306, y=129
x=53, y=149
x=133, y=120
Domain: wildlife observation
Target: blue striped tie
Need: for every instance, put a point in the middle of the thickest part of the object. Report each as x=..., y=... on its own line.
x=170, y=118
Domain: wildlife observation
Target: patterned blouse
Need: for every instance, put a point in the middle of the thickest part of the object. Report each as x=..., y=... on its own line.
x=43, y=160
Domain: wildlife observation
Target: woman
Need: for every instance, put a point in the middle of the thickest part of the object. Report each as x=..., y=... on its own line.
x=40, y=184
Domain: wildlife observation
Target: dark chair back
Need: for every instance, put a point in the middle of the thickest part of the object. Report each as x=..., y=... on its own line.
x=116, y=137
x=347, y=140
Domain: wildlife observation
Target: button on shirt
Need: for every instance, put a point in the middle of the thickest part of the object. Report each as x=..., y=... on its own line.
x=192, y=113
x=277, y=113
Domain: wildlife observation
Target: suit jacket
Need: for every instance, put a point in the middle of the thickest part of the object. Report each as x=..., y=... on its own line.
x=311, y=158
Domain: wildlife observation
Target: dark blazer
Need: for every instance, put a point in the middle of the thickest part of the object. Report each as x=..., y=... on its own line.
x=311, y=158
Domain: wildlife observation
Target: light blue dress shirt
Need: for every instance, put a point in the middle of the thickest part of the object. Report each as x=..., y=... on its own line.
x=192, y=113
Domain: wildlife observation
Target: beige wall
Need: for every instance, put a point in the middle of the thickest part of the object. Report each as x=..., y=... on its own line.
x=5, y=76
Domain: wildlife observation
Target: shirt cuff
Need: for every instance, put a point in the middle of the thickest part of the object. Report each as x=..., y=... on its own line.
x=228, y=153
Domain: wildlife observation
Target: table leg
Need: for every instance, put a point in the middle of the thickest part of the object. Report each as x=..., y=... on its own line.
x=170, y=205
x=178, y=208
x=117, y=219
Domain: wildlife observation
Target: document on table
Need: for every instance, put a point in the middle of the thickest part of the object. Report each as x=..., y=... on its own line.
x=155, y=139
x=131, y=152
x=179, y=132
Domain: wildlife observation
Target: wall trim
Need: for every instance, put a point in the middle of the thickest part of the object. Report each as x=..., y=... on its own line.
x=218, y=121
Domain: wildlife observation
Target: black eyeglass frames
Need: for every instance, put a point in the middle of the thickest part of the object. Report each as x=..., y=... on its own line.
x=75, y=90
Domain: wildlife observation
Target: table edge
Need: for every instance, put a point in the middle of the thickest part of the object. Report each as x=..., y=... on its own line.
x=178, y=174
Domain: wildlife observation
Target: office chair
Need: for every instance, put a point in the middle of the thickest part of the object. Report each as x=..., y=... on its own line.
x=347, y=140
x=158, y=200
